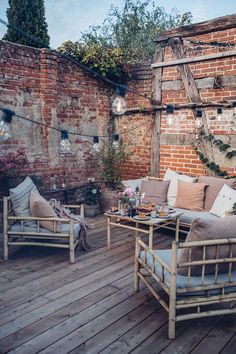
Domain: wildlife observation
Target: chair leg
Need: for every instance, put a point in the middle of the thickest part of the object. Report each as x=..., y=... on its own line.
x=136, y=266
x=72, y=243
x=171, y=327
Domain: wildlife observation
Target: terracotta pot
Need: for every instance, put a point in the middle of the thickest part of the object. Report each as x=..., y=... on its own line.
x=107, y=199
x=91, y=210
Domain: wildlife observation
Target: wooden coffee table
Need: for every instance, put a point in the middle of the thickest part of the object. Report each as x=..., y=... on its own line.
x=152, y=223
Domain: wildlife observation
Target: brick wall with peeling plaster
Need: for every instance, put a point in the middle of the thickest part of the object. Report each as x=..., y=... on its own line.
x=37, y=83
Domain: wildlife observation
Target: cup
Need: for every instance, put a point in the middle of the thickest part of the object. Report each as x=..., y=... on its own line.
x=153, y=214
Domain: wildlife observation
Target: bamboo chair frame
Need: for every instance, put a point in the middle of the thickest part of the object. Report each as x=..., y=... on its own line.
x=181, y=298
x=37, y=237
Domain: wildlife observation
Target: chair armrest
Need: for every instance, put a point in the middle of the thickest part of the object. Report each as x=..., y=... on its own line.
x=32, y=218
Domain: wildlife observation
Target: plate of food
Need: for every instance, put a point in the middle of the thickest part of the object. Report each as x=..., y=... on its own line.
x=163, y=216
x=141, y=218
x=114, y=210
x=171, y=210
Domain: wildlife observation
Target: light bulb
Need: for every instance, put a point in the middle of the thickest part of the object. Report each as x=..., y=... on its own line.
x=198, y=121
x=119, y=105
x=5, y=124
x=65, y=145
x=170, y=119
x=219, y=115
x=116, y=141
x=96, y=143
x=5, y=130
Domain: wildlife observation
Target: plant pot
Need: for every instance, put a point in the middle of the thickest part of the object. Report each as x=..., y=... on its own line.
x=91, y=210
x=107, y=199
x=11, y=182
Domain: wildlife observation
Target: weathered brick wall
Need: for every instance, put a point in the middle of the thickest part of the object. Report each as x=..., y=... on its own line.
x=176, y=150
x=42, y=86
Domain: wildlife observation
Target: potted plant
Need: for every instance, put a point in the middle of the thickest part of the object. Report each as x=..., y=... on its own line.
x=11, y=168
x=112, y=159
x=91, y=197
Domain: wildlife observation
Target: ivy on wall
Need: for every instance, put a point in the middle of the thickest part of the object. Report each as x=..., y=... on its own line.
x=220, y=144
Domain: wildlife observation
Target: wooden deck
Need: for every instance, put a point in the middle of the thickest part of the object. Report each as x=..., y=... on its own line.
x=50, y=306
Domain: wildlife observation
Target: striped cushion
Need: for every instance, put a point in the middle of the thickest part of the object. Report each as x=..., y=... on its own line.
x=20, y=197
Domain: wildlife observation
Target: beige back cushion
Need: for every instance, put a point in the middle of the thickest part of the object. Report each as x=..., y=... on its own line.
x=155, y=191
x=190, y=195
x=214, y=186
x=40, y=208
x=206, y=229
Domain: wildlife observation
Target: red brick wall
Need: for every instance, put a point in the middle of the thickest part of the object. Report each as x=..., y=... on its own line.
x=42, y=86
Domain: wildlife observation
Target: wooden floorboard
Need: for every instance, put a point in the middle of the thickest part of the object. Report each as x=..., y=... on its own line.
x=48, y=305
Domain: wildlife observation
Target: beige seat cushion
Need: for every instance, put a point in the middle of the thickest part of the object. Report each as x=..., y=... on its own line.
x=204, y=229
x=40, y=208
x=155, y=191
x=190, y=195
x=214, y=186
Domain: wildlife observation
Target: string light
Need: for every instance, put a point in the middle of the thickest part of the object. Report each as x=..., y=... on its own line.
x=198, y=121
x=96, y=143
x=119, y=104
x=219, y=114
x=65, y=145
x=5, y=124
x=170, y=119
x=116, y=140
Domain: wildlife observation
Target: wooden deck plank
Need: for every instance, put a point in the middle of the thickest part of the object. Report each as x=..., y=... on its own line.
x=230, y=346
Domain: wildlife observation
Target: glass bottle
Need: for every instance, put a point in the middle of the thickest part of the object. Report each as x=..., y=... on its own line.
x=52, y=182
x=137, y=197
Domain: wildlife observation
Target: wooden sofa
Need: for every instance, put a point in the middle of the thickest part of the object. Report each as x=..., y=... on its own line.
x=16, y=232
x=187, y=296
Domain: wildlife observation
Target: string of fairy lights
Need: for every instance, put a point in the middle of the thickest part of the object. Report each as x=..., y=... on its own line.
x=118, y=107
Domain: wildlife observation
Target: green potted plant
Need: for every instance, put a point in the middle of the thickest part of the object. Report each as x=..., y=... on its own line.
x=112, y=158
x=91, y=197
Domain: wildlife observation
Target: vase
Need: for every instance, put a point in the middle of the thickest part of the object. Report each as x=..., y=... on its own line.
x=91, y=210
x=11, y=182
x=107, y=199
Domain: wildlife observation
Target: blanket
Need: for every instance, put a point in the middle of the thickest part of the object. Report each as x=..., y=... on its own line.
x=65, y=213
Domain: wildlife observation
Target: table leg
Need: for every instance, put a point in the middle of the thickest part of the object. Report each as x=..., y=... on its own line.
x=177, y=229
x=136, y=231
x=108, y=232
x=150, y=241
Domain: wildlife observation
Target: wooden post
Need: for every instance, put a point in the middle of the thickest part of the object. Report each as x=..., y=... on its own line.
x=150, y=242
x=192, y=93
x=156, y=126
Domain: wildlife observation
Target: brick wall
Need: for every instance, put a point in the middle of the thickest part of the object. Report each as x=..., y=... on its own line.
x=42, y=86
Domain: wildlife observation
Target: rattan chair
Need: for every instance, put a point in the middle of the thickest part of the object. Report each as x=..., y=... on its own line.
x=187, y=296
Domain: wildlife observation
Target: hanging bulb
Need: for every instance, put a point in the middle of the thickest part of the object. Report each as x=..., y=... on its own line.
x=65, y=145
x=5, y=125
x=116, y=141
x=96, y=143
x=119, y=104
x=198, y=121
x=170, y=119
x=219, y=115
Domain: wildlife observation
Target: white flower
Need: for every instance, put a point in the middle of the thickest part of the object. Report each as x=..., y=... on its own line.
x=94, y=191
x=89, y=179
x=92, y=179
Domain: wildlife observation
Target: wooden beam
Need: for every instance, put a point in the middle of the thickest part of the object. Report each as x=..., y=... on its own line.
x=156, y=128
x=217, y=24
x=191, y=92
x=220, y=55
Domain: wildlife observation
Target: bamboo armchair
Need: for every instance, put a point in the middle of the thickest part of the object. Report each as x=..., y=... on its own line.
x=191, y=294
x=16, y=233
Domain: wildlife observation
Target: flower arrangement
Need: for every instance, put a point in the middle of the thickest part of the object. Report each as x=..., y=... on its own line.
x=92, y=192
x=125, y=196
x=13, y=163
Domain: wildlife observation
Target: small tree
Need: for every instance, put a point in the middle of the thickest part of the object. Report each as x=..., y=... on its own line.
x=112, y=162
x=29, y=16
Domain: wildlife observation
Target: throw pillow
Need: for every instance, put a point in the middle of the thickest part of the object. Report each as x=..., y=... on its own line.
x=190, y=195
x=40, y=208
x=155, y=191
x=20, y=198
x=173, y=187
x=214, y=186
x=224, y=201
x=205, y=229
x=133, y=184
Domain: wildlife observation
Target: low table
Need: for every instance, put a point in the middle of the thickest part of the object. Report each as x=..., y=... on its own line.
x=152, y=223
